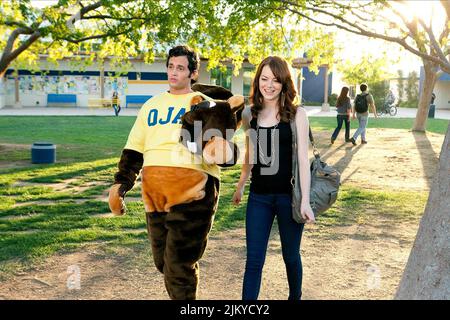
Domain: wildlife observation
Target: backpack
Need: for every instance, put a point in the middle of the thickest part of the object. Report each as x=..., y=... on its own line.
x=361, y=105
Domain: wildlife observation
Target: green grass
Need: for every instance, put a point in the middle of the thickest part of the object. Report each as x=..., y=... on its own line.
x=88, y=149
x=35, y=231
x=76, y=138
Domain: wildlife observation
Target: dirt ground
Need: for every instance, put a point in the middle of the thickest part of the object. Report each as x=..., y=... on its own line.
x=365, y=262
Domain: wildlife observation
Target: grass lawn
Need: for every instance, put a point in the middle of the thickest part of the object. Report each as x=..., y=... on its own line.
x=38, y=217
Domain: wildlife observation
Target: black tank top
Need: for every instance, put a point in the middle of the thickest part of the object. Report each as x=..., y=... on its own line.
x=265, y=179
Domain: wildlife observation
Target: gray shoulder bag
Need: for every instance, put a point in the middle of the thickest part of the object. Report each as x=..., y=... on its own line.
x=325, y=181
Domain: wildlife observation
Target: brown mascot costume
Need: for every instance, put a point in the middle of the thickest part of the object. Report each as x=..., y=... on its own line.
x=181, y=198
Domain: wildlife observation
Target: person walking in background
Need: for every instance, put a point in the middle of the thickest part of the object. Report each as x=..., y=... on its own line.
x=269, y=117
x=390, y=97
x=116, y=103
x=344, y=108
x=363, y=101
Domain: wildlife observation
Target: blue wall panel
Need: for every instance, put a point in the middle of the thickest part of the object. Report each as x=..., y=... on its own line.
x=313, y=85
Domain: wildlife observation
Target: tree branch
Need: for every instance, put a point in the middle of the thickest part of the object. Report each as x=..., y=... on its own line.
x=446, y=5
x=98, y=36
x=21, y=25
x=411, y=30
x=445, y=32
x=434, y=43
x=9, y=55
x=444, y=64
x=102, y=16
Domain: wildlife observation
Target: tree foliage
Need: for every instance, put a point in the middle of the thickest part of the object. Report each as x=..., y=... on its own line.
x=88, y=31
x=400, y=86
x=383, y=19
x=412, y=89
x=369, y=69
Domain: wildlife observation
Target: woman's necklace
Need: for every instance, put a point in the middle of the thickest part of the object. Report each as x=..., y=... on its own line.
x=262, y=158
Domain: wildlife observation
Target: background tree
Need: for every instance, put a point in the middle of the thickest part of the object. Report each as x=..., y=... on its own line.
x=400, y=87
x=427, y=272
x=401, y=22
x=373, y=71
x=412, y=89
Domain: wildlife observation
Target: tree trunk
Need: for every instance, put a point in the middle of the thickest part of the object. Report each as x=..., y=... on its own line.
x=3, y=68
x=430, y=77
x=427, y=273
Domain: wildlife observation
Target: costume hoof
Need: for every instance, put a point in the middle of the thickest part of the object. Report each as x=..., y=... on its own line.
x=116, y=202
x=217, y=151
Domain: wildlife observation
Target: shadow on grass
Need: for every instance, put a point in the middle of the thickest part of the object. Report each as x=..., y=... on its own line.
x=57, y=172
x=44, y=229
x=428, y=157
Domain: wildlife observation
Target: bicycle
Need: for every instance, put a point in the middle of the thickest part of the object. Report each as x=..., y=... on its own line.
x=389, y=108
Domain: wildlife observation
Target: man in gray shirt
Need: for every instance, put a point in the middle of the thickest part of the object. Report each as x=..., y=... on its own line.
x=363, y=102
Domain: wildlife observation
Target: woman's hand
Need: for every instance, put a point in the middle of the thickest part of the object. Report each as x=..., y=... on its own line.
x=307, y=213
x=237, y=196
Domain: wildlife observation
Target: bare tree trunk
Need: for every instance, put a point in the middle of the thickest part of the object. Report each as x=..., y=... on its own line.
x=430, y=77
x=427, y=273
x=3, y=67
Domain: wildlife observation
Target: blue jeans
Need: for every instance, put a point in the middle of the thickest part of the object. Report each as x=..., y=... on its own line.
x=116, y=109
x=340, y=119
x=261, y=211
x=363, y=120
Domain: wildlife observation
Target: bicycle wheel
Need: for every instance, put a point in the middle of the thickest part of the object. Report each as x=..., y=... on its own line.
x=393, y=111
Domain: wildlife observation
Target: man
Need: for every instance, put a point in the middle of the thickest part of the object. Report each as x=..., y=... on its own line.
x=390, y=98
x=363, y=101
x=178, y=233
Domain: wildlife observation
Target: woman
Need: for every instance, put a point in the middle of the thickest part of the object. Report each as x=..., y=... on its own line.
x=268, y=122
x=344, y=108
x=115, y=103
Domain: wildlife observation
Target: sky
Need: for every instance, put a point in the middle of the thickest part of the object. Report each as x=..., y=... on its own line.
x=354, y=47
x=42, y=3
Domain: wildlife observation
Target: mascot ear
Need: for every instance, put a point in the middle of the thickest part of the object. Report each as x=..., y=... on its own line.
x=237, y=104
x=196, y=100
x=198, y=104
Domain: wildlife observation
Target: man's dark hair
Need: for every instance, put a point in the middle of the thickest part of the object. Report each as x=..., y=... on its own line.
x=191, y=55
x=363, y=87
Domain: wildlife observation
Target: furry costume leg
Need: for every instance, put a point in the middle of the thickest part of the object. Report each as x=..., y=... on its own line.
x=179, y=239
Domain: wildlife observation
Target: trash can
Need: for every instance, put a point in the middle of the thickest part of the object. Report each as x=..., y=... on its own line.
x=43, y=152
x=431, y=111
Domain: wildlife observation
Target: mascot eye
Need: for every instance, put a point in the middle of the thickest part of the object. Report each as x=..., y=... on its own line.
x=203, y=105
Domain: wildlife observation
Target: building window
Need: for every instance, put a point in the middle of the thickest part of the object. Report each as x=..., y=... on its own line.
x=248, y=76
x=221, y=78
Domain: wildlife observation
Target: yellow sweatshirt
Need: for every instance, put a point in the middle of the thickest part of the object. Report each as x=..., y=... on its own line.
x=156, y=134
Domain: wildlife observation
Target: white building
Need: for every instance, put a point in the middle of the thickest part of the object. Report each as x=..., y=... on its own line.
x=66, y=85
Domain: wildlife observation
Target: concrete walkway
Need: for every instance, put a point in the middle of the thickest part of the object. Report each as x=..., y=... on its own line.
x=80, y=111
